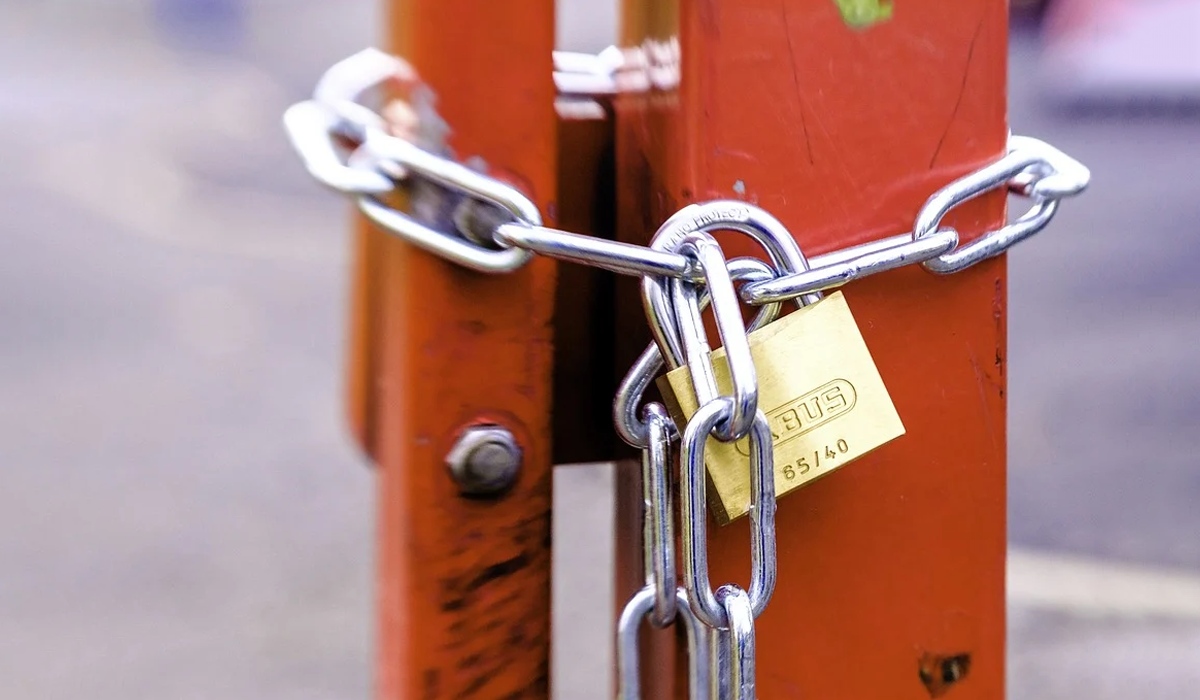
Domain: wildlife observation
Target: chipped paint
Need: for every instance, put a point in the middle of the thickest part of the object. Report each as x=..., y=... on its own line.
x=860, y=14
x=939, y=672
x=740, y=187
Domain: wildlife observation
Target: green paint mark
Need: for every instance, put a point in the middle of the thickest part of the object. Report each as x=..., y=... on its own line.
x=860, y=14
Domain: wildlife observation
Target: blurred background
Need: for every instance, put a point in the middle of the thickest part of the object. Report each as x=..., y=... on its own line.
x=181, y=513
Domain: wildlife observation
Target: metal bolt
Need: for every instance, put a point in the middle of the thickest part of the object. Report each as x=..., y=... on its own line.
x=484, y=460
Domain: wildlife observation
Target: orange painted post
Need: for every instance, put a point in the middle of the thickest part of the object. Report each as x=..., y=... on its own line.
x=464, y=583
x=841, y=117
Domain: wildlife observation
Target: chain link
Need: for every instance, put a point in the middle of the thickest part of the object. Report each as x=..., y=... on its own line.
x=694, y=518
x=633, y=387
x=700, y=647
x=660, y=599
x=733, y=648
x=728, y=314
x=350, y=148
x=658, y=531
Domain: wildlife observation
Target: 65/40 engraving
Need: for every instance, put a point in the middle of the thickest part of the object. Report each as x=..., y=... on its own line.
x=802, y=466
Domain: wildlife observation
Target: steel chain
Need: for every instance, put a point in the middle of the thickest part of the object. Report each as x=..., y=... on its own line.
x=682, y=270
x=1031, y=168
x=660, y=599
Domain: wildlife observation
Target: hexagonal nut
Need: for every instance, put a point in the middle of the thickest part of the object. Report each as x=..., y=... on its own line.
x=484, y=460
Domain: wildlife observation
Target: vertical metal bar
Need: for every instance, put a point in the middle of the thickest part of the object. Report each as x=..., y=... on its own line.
x=840, y=118
x=464, y=583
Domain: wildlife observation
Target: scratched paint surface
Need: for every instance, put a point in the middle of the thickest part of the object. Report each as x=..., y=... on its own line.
x=861, y=14
x=464, y=584
x=896, y=564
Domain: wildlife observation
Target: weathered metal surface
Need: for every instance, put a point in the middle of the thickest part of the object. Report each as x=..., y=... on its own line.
x=896, y=561
x=464, y=584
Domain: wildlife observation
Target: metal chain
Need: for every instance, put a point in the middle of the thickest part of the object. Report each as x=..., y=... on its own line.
x=660, y=599
x=497, y=229
x=1031, y=168
x=658, y=531
x=629, y=394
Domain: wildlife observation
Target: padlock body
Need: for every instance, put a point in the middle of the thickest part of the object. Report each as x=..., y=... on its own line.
x=821, y=392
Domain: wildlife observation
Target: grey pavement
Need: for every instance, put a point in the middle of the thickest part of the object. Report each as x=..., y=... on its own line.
x=181, y=514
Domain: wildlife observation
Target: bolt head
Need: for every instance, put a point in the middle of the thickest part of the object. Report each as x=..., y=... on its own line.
x=484, y=460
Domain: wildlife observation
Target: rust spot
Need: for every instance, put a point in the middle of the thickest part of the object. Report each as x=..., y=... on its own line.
x=498, y=570
x=939, y=672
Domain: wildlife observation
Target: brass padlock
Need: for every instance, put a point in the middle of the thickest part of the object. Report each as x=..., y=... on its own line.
x=822, y=395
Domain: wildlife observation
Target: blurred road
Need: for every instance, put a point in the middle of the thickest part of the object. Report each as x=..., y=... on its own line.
x=181, y=515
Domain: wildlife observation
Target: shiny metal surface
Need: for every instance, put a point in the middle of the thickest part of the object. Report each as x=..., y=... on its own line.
x=346, y=83
x=310, y=128
x=733, y=650
x=694, y=516
x=453, y=248
x=995, y=242
x=335, y=111
x=460, y=179
x=614, y=256
x=658, y=520
x=629, y=394
x=1031, y=167
x=628, y=662
x=717, y=215
x=728, y=314
x=823, y=396
x=312, y=125
x=826, y=276
x=454, y=176
x=633, y=386
x=990, y=177
x=450, y=246
x=1062, y=176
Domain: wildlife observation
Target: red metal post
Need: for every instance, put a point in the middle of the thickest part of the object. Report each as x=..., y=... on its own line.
x=464, y=584
x=840, y=117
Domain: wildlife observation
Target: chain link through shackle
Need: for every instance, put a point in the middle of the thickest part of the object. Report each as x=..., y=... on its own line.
x=633, y=387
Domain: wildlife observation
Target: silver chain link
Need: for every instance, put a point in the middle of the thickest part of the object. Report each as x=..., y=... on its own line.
x=683, y=270
x=629, y=394
x=661, y=599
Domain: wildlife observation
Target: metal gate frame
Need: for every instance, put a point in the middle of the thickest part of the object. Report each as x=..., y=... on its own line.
x=839, y=117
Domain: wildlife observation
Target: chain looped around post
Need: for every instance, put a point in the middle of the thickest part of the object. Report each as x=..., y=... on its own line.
x=1028, y=164
x=318, y=128
x=495, y=228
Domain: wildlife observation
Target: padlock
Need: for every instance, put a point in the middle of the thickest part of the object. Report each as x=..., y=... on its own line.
x=824, y=399
x=817, y=383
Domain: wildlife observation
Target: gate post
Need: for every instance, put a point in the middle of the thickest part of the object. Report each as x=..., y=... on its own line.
x=464, y=582
x=840, y=117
